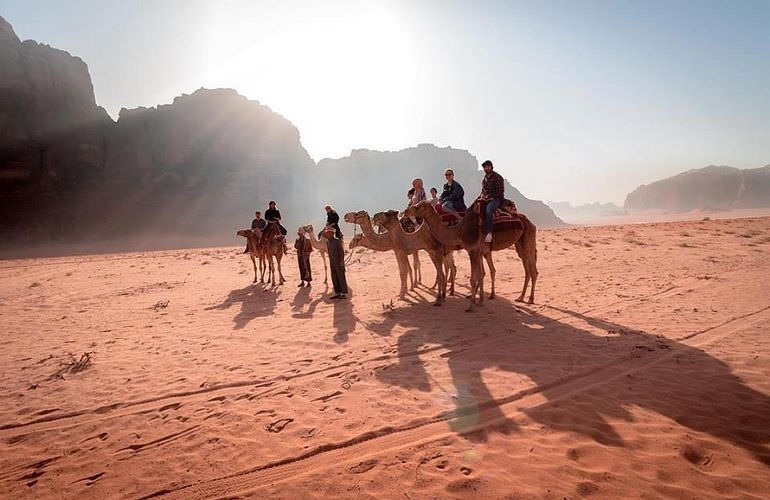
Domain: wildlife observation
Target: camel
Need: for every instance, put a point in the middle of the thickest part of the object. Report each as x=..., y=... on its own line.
x=253, y=240
x=274, y=248
x=463, y=235
x=318, y=244
x=382, y=243
x=360, y=240
x=420, y=239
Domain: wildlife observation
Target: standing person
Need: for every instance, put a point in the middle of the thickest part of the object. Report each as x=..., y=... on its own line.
x=453, y=196
x=304, y=248
x=492, y=191
x=336, y=252
x=272, y=214
x=333, y=220
x=433, y=198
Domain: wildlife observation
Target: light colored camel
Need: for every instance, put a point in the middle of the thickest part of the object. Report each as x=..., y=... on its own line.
x=420, y=239
x=318, y=244
x=360, y=240
x=525, y=244
x=253, y=237
x=274, y=248
x=381, y=243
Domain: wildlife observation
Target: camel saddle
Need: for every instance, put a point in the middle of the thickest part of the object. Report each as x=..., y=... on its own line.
x=505, y=214
x=271, y=231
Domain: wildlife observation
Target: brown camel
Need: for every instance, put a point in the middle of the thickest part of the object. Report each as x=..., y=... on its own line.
x=273, y=247
x=318, y=244
x=420, y=239
x=525, y=244
x=381, y=243
x=253, y=240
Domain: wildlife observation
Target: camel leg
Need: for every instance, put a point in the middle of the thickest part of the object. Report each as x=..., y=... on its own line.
x=438, y=263
x=326, y=272
x=451, y=271
x=417, y=270
x=491, y=266
x=262, y=266
x=403, y=269
x=270, y=274
x=533, y=274
x=280, y=273
x=476, y=277
x=254, y=263
x=524, y=263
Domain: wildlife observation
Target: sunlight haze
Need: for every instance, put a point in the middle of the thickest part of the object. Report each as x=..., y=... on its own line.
x=577, y=101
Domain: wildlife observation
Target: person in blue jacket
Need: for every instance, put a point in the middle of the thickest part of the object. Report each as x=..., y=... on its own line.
x=453, y=196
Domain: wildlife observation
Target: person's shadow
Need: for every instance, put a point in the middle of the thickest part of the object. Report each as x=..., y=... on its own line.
x=344, y=319
x=668, y=377
x=255, y=302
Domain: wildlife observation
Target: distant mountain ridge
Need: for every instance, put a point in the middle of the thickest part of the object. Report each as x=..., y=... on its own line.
x=187, y=173
x=565, y=209
x=713, y=187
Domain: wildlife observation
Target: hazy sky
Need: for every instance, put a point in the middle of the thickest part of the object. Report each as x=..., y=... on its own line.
x=573, y=100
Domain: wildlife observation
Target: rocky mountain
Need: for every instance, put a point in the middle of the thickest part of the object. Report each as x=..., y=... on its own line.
x=187, y=173
x=713, y=187
x=378, y=180
x=52, y=134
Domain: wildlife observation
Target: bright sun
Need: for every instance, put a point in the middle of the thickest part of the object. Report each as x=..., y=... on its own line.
x=342, y=75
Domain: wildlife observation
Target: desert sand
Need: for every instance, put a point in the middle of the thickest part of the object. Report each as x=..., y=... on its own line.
x=642, y=371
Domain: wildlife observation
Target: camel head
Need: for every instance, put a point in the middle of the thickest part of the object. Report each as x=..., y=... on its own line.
x=308, y=229
x=422, y=209
x=250, y=233
x=356, y=241
x=355, y=217
x=386, y=219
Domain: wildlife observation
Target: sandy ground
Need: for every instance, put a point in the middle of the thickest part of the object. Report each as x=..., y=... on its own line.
x=643, y=371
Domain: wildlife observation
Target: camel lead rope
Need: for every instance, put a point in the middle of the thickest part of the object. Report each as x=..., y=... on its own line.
x=350, y=255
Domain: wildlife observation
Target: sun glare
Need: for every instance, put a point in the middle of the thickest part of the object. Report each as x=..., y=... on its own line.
x=341, y=75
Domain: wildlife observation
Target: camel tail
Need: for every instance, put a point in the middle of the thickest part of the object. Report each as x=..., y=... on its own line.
x=526, y=246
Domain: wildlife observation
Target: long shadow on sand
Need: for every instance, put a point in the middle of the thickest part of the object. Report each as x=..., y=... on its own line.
x=256, y=301
x=678, y=381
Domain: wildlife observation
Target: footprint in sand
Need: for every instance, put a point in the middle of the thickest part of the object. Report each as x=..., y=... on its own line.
x=363, y=467
x=278, y=425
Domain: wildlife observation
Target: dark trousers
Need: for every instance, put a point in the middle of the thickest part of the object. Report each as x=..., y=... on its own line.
x=337, y=264
x=304, y=267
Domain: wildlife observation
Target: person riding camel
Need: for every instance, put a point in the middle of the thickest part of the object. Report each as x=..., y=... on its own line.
x=257, y=223
x=418, y=194
x=434, y=200
x=453, y=196
x=333, y=220
x=272, y=215
x=492, y=192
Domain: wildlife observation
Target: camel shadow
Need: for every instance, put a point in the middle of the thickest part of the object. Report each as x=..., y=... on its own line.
x=627, y=368
x=255, y=302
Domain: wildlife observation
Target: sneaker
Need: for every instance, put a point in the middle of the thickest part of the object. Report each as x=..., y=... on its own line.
x=488, y=238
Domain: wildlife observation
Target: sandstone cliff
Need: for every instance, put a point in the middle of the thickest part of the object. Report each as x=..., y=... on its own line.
x=52, y=134
x=705, y=188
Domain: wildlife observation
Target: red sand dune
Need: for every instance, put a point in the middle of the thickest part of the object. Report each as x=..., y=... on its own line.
x=642, y=371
